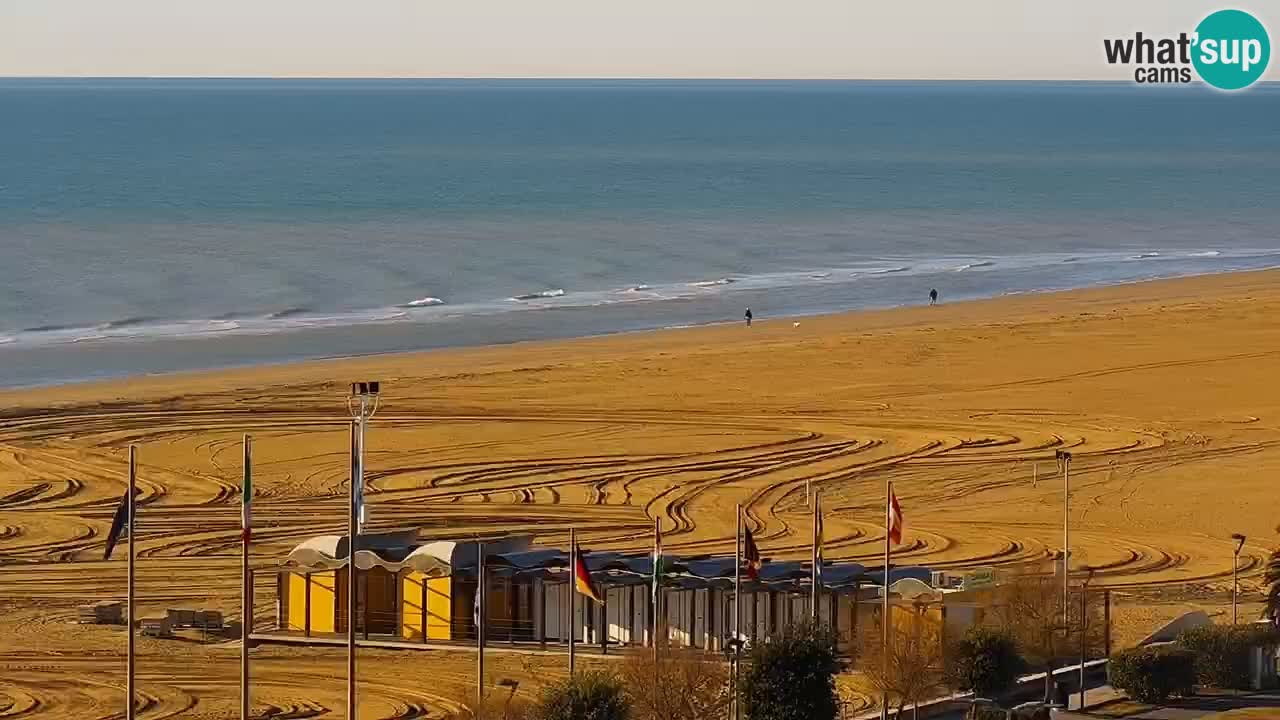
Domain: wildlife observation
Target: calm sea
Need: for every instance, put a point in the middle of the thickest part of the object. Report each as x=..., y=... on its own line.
x=157, y=225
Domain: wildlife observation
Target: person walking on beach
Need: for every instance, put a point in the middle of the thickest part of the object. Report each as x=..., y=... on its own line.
x=933, y=296
x=748, y=317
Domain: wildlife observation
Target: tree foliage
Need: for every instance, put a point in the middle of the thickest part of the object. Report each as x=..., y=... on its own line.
x=985, y=662
x=1222, y=652
x=909, y=669
x=685, y=685
x=588, y=695
x=1030, y=608
x=1272, y=579
x=1153, y=674
x=791, y=676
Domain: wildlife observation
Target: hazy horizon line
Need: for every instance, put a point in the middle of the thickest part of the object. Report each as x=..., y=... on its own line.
x=603, y=78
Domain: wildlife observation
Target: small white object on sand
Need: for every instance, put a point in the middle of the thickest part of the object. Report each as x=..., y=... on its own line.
x=795, y=324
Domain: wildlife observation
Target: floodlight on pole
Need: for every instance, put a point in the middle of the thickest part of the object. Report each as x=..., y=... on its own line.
x=362, y=403
x=1235, y=574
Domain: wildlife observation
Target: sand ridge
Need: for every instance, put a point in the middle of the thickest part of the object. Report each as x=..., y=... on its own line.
x=1163, y=392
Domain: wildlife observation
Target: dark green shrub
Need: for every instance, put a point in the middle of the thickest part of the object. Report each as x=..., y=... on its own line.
x=792, y=676
x=985, y=712
x=1222, y=652
x=985, y=662
x=1153, y=674
x=584, y=696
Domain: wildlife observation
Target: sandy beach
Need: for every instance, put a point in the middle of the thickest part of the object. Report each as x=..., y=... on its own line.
x=1163, y=391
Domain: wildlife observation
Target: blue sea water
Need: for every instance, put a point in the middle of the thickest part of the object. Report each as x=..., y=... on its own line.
x=159, y=225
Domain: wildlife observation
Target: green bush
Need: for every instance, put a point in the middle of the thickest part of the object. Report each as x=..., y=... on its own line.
x=1153, y=674
x=792, y=676
x=584, y=696
x=1222, y=652
x=985, y=662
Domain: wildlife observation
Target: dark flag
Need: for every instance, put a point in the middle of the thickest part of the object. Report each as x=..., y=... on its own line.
x=750, y=555
x=119, y=524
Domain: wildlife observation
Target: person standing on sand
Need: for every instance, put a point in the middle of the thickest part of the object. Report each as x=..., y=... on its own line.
x=933, y=296
x=748, y=317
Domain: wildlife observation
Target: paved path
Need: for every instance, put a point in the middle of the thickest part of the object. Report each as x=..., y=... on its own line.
x=1187, y=709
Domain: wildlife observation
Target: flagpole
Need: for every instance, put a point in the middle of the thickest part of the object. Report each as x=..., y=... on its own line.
x=817, y=573
x=884, y=612
x=737, y=611
x=658, y=561
x=573, y=596
x=352, y=532
x=133, y=531
x=657, y=599
x=482, y=612
x=246, y=591
x=1066, y=533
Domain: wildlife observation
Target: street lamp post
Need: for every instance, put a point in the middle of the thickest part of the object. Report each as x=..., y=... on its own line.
x=1235, y=573
x=361, y=404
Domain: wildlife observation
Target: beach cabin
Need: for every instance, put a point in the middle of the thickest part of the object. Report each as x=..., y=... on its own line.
x=412, y=591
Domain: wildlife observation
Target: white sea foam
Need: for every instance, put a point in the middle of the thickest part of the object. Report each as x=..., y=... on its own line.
x=424, y=302
x=558, y=292
x=712, y=283
x=1206, y=253
x=891, y=270
x=971, y=266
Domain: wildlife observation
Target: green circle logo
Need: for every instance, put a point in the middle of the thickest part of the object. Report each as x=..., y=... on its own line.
x=1231, y=49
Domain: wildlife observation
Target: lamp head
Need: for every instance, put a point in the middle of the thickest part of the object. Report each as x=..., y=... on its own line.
x=1239, y=541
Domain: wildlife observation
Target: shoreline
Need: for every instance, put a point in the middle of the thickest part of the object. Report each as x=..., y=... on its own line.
x=1113, y=292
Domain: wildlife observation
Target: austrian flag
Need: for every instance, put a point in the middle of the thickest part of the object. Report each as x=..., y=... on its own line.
x=894, y=519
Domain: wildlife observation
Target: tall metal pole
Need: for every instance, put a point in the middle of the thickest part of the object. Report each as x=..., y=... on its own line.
x=1235, y=585
x=816, y=581
x=884, y=608
x=246, y=590
x=658, y=560
x=1066, y=532
x=482, y=614
x=737, y=615
x=353, y=532
x=1084, y=635
x=573, y=597
x=133, y=532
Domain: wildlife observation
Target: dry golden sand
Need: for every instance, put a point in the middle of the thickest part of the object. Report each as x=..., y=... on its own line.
x=1165, y=392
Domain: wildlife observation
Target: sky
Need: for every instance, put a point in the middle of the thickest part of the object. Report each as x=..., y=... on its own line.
x=878, y=39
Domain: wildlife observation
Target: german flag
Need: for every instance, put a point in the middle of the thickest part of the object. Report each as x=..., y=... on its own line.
x=582, y=578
